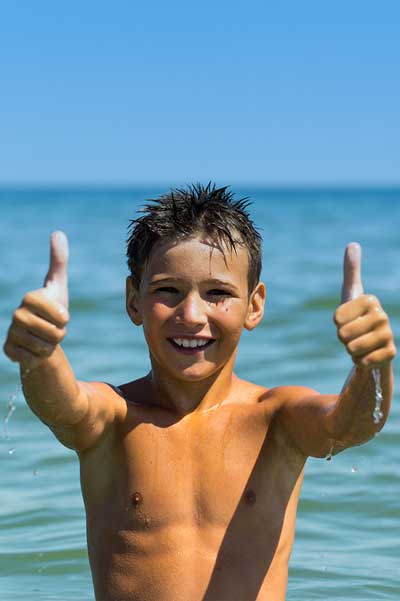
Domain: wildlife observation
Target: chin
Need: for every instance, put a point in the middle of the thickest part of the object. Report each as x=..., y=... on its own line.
x=193, y=375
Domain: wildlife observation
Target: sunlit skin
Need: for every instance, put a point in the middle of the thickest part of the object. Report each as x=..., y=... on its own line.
x=190, y=291
x=190, y=475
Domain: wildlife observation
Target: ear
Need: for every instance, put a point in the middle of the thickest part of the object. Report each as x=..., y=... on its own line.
x=255, y=311
x=132, y=302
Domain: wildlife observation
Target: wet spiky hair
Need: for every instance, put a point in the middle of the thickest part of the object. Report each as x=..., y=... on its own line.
x=183, y=213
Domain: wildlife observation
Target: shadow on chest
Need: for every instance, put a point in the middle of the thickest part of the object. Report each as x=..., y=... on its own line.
x=198, y=470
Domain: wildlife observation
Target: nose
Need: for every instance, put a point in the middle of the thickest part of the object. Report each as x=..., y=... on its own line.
x=192, y=310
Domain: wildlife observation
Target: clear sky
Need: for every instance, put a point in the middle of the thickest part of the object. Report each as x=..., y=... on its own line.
x=249, y=91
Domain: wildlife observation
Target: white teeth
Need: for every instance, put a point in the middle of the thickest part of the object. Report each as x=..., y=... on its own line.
x=192, y=343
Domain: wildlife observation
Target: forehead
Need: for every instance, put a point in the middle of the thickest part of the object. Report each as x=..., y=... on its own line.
x=198, y=257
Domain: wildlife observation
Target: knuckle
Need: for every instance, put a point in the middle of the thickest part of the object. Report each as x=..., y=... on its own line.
x=341, y=333
x=392, y=351
x=381, y=317
x=63, y=315
x=18, y=316
x=344, y=333
x=29, y=298
x=336, y=317
x=64, y=319
x=61, y=334
x=6, y=348
x=371, y=301
x=387, y=334
x=57, y=335
x=365, y=362
x=11, y=352
x=352, y=348
x=341, y=339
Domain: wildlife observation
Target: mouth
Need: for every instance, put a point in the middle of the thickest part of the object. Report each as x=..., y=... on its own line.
x=191, y=346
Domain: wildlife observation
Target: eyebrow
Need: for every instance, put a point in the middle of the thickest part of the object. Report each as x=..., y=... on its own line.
x=213, y=281
x=220, y=282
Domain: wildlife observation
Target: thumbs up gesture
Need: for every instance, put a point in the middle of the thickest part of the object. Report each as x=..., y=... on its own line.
x=38, y=324
x=362, y=325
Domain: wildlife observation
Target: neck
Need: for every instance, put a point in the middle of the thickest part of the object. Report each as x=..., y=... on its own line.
x=182, y=398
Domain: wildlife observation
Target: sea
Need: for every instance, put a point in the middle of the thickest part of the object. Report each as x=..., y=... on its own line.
x=347, y=544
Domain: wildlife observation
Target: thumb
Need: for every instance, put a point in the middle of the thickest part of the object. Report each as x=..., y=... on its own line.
x=352, y=285
x=56, y=280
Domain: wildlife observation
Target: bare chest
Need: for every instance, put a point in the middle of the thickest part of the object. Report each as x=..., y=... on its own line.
x=197, y=473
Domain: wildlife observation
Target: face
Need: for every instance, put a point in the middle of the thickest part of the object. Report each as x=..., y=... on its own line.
x=193, y=303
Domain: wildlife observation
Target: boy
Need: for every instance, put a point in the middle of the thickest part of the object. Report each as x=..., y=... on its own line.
x=191, y=476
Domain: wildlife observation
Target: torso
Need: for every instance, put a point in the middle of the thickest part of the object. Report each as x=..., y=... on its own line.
x=200, y=509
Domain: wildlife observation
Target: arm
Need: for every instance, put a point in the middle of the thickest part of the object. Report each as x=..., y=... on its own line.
x=73, y=410
x=324, y=424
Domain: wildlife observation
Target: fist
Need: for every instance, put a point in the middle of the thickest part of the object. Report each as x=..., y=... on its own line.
x=362, y=325
x=38, y=324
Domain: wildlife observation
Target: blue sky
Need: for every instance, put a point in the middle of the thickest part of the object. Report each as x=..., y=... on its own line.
x=172, y=92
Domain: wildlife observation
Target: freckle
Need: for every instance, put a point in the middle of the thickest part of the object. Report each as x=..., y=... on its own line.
x=250, y=497
x=137, y=499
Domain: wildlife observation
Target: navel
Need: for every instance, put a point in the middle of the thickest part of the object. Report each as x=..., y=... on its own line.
x=250, y=497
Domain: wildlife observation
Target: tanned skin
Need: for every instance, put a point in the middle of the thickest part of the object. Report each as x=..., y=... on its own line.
x=191, y=476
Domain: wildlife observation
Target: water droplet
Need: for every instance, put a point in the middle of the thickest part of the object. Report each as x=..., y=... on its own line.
x=377, y=414
x=329, y=456
x=10, y=410
x=354, y=470
x=11, y=451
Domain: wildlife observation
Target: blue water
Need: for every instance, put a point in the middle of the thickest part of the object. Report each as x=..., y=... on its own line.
x=348, y=535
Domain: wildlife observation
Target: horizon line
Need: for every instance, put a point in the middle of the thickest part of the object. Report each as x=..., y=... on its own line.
x=306, y=185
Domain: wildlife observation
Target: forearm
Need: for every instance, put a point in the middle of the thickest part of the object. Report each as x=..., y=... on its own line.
x=352, y=417
x=52, y=392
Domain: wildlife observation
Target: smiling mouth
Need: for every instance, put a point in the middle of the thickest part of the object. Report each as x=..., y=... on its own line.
x=191, y=345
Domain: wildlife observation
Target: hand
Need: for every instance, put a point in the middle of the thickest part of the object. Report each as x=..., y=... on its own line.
x=38, y=324
x=362, y=325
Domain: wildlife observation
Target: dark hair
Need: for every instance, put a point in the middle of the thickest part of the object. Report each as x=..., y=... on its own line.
x=183, y=213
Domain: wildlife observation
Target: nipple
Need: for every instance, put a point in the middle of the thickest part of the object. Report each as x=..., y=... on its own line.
x=250, y=497
x=137, y=499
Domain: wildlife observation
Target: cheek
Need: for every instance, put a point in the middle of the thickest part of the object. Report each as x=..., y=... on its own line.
x=230, y=314
x=155, y=313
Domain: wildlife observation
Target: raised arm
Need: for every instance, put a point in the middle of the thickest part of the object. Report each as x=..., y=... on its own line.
x=323, y=425
x=75, y=412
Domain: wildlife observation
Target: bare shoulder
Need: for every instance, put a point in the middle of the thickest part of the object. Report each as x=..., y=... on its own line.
x=286, y=395
x=108, y=397
x=301, y=418
x=105, y=407
x=272, y=400
x=275, y=399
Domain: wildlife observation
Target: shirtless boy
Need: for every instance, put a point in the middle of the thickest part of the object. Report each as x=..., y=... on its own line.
x=190, y=475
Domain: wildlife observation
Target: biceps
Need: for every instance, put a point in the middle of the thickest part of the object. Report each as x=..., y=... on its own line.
x=98, y=414
x=308, y=424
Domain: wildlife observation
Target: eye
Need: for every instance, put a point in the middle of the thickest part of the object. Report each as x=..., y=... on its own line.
x=167, y=289
x=219, y=292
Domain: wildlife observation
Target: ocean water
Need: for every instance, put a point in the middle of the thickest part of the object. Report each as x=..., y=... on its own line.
x=347, y=543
